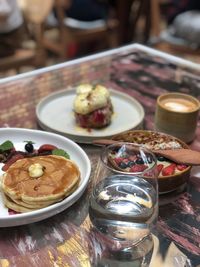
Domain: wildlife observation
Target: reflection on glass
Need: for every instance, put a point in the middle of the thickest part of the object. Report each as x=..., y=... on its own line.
x=124, y=201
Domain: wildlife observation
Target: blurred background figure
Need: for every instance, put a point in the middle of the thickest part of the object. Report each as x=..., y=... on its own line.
x=88, y=10
x=87, y=26
x=176, y=7
x=11, y=27
x=184, y=22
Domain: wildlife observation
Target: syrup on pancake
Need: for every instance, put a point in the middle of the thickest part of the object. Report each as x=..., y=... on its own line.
x=24, y=191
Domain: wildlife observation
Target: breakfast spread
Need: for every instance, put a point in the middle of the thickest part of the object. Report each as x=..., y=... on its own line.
x=36, y=178
x=92, y=106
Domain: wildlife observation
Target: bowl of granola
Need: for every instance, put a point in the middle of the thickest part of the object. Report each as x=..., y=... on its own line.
x=171, y=176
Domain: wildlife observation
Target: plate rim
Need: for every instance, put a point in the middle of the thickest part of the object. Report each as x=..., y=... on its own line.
x=71, y=199
x=83, y=138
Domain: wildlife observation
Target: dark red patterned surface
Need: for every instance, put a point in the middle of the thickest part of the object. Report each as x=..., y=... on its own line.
x=65, y=239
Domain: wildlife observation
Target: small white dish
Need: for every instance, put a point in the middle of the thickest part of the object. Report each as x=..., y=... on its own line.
x=55, y=113
x=18, y=136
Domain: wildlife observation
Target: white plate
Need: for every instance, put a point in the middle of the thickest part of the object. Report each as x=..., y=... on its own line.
x=18, y=136
x=55, y=113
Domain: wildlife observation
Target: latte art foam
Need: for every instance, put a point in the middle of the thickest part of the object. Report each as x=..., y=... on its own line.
x=179, y=105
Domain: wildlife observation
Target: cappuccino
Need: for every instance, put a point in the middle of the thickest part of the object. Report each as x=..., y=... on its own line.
x=179, y=104
x=177, y=114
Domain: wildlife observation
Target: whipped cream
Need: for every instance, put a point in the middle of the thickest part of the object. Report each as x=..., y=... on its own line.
x=90, y=98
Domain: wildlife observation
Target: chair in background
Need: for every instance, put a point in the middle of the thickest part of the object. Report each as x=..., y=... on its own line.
x=134, y=20
x=69, y=31
x=141, y=19
x=32, y=52
x=177, y=38
x=21, y=57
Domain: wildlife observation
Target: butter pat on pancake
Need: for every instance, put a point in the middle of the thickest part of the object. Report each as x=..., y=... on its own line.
x=60, y=177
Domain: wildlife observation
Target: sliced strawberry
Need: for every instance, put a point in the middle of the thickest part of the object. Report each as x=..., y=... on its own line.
x=138, y=168
x=159, y=168
x=13, y=159
x=169, y=170
x=46, y=147
x=181, y=167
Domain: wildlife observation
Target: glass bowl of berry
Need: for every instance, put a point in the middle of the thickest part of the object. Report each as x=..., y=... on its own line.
x=171, y=176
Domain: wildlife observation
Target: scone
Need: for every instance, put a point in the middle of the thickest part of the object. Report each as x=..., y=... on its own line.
x=92, y=106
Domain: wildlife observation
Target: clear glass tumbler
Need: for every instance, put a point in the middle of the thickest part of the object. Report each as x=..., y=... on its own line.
x=124, y=201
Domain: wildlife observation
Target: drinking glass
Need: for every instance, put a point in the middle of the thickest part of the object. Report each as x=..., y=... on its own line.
x=124, y=200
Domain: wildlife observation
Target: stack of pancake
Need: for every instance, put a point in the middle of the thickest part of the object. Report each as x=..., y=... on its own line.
x=33, y=183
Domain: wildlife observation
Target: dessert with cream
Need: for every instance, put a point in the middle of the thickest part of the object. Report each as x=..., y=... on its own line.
x=92, y=106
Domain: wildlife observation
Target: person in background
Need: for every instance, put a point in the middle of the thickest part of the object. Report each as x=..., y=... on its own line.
x=87, y=10
x=84, y=13
x=11, y=27
x=176, y=7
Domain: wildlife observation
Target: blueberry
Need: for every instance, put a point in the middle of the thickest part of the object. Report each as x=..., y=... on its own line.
x=130, y=163
x=122, y=165
x=29, y=147
x=139, y=161
x=161, y=158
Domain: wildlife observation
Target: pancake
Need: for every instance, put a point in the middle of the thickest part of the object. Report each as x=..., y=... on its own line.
x=33, y=205
x=38, y=204
x=60, y=177
x=12, y=205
